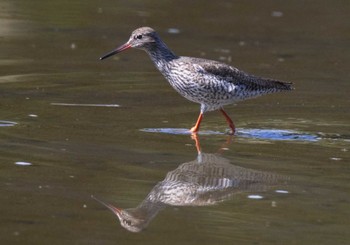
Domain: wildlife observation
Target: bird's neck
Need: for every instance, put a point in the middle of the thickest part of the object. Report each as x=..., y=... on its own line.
x=161, y=55
x=145, y=212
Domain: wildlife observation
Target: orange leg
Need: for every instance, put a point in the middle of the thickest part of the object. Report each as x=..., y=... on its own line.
x=198, y=123
x=226, y=144
x=229, y=121
x=196, y=140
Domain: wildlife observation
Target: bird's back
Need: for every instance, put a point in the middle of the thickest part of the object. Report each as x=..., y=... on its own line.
x=216, y=84
x=233, y=75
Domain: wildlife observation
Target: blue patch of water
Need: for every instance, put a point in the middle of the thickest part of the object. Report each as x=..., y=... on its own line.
x=277, y=134
x=178, y=131
x=7, y=123
x=263, y=134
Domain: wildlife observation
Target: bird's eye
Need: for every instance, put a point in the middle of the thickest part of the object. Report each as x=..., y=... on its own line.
x=128, y=222
x=138, y=37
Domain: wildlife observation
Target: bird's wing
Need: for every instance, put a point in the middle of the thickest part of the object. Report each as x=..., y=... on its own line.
x=233, y=75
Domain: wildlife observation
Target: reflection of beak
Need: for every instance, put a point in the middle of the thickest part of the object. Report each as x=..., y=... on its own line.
x=116, y=211
x=117, y=50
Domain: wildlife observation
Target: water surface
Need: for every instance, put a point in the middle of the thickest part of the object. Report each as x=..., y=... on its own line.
x=72, y=126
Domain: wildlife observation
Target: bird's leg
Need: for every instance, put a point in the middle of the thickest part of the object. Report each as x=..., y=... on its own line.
x=196, y=140
x=195, y=128
x=225, y=145
x=229, y=121
x=198, y=147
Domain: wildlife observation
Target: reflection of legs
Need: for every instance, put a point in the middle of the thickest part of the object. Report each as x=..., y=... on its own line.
x=229, y=121
x=196, y=140
x=198, y=123
x=225, y=145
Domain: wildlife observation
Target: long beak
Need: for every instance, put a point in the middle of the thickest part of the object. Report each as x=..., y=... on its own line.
x=115, y=210
x=117, y=50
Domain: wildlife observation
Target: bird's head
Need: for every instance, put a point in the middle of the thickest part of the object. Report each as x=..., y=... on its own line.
x=141, y=38
x=132, y=219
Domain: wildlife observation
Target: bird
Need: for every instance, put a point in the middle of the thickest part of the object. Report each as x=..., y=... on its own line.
x=210, y=83
x=207, y=180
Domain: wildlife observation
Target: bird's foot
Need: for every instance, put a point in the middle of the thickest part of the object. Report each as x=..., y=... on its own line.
x=231, y=131
x=194, y=130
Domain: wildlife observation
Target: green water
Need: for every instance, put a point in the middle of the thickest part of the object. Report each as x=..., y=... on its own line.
x=102, y=128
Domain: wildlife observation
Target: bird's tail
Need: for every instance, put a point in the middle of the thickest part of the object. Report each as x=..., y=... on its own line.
x=267, y=85
x=279, y=85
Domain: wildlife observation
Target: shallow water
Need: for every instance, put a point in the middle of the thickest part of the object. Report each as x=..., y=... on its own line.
x=72, y=126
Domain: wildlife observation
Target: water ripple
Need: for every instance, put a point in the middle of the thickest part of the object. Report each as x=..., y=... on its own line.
x=7, y=123
x=277, y=134
x=85, y=105
x=263, y=134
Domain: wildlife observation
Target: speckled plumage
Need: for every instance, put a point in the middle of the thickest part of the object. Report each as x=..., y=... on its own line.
x=208, y=180
x=210, y=83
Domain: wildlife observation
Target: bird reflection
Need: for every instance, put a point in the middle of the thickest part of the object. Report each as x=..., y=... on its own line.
x=207, y=180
